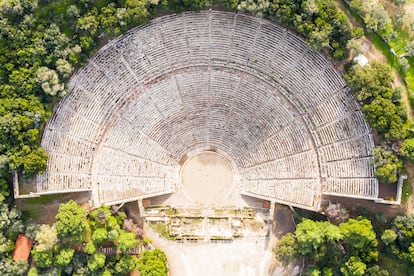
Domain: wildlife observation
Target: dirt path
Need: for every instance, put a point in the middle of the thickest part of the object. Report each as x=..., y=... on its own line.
x=251, y=255
x=240, y=258
x=373, y=54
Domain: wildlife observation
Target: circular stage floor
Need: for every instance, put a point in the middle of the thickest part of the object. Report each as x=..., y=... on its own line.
x=207, y=178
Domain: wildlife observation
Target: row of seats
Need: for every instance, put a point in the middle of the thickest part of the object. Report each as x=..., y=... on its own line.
x=302, y=165
x=241, y=84
x=291, y=192
x=352, y=187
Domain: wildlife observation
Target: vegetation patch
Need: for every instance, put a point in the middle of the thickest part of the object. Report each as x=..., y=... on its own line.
x=162, y=229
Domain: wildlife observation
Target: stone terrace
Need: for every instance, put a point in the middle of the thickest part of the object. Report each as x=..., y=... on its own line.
x=210, y=80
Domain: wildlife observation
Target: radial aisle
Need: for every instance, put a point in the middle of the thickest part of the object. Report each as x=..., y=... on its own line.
x=234, y=84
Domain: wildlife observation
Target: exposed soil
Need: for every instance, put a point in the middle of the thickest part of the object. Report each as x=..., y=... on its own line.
x=207, y=178
x=354, y=205
x=388, y=191
x=44, y=210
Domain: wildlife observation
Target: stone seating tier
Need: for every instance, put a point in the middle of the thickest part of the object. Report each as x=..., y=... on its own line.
x=231, y=82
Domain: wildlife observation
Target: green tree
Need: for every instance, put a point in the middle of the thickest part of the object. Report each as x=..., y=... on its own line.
x=71, y=222
x=354, y=267
x=10, y=221
x=64, y=68
x=319, y=37
x=354, y=46
x=127, y=263
x=89, y=23
x=153, y=263
x=46, y=237
x=360, y=239
x=317, y=239
x=126, y=240
x=90, y=248
x=103, y=217
x=375, y=270
x=137, y=13
x=49, y=81
x=370, y=82
x=286, y=248
x=6, y=246
x=405, y=229
x=96, y=261
x=387, y=165
x=407, y=148
x=113, y=235
x=184, y=5
x=383, y=115
x=99, y=235
x=388, y=237
x=33, y=272
x=313, y=271
x=405, y=65
x=285, y=10
x=64, y=256
x=309, y=236
x=20, y=119
x=44, y=258
x=411, y=252
x=8, y=267
x=32, y=160
x=256, y=7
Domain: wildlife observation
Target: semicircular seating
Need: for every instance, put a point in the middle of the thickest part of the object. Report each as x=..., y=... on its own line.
x=239, y=84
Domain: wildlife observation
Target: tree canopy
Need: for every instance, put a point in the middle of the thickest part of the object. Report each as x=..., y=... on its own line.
x=74, y=245
x=383, y=109
x=347, y=248
x=71, y=222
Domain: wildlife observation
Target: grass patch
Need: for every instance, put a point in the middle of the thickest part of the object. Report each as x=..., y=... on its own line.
x=44, y=199
x=382, y=46
x=196, y=221
x=32, y=213
x=407, y=191
x=161, y=229
x=171, y=211
x=394, y=265
x=400, y=42
x=409, y=76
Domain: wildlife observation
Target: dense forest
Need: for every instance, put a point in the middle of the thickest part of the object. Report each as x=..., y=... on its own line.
x=43, y=42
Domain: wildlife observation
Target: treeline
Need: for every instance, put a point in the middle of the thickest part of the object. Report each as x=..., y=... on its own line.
x=385, y=111
x=41, y=43
x=321, y=22
x=349, y=246
x=398, y=240
x=389, y=26
x=70, y=246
